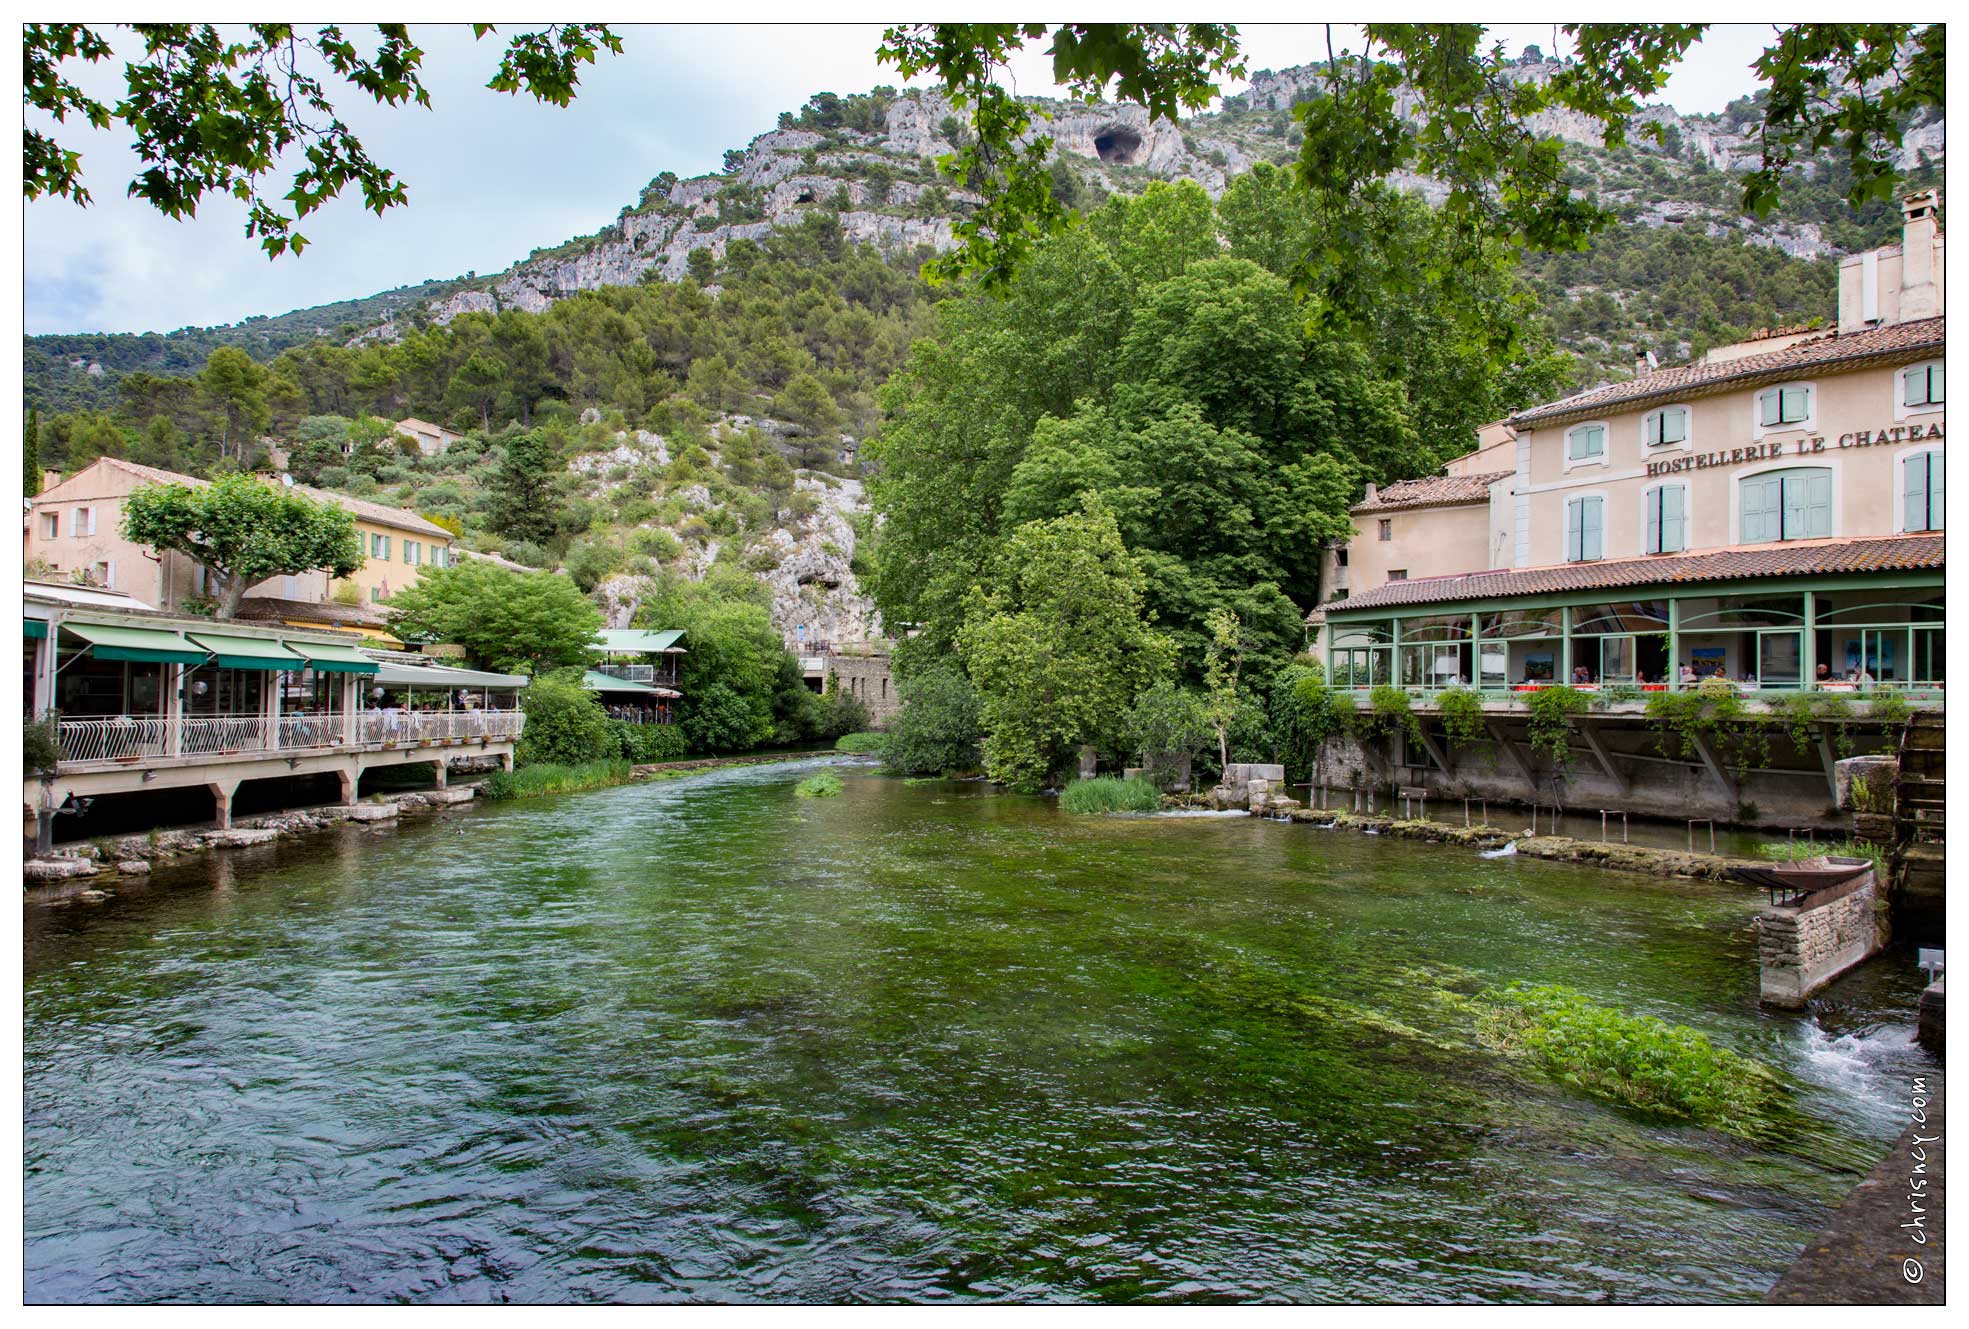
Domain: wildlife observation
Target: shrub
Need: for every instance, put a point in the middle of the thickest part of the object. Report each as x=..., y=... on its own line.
x=938, y=726
x=1633, y=1059
x=565, y=724
x=1463, y=718
x=643, y=743
x=1548, y=725
x=556, y=778
x=39, y=749
x=861, y=741
x=842, y=712
x=824, y=785
x=1104, y=793
x=1388, y=710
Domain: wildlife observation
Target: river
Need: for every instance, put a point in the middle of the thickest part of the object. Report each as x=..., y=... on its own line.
x=704, y=1040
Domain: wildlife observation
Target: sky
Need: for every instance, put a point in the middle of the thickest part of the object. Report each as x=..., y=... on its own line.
x=491, y=177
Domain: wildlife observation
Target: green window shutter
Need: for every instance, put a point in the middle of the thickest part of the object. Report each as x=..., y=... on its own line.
x=1914, y=494
x=1674, y=519
x=1936, y=508
x=1760, y=509
x=1590, y=543
x=1796, y=404
x=1573, y=519
x=1768, y=406
x=1654, y=521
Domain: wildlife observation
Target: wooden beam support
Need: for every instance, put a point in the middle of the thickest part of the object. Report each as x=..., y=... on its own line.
x=1827, y=760
x=1512, y=750
x=1434, y=748
x=1707, y=752
x=1601, y=754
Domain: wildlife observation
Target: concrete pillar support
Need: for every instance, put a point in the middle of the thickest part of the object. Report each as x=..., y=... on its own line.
x=443, y=769
x=351, y=778
x=222, y=792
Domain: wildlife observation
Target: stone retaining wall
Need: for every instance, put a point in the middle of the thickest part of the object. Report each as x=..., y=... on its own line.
x=1800, y=950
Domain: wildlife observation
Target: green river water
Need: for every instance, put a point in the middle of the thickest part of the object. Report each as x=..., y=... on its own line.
x=703, y=1040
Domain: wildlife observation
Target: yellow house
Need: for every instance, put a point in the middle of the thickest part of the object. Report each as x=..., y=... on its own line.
x=74, y=530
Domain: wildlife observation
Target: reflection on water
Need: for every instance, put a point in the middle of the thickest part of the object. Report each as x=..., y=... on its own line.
x=703, y=1040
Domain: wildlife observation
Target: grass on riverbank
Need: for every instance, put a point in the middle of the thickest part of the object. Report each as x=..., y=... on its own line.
x=824, y=785
x=549, y=778
x=1790, y=851
x=1636, y=1060
x=865, y=740
x=1106, y=794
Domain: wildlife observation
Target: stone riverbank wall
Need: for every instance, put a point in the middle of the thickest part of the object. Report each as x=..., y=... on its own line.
x=1802, y=947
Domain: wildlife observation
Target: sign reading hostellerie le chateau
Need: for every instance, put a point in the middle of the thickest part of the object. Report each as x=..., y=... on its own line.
x=1865, y=438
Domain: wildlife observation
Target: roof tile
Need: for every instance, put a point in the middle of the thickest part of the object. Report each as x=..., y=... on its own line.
x=1432, y=491
x=1890, y=553
x=1893, y=340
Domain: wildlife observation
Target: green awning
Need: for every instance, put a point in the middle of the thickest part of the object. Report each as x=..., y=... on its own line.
x=443, y=676
x=37, y=627
x=637, y=641
x=232, y=652
x=143, y=645
x=332, y=657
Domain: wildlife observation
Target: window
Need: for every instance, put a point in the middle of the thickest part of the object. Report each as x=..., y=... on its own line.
x=51, y=525
x=106, y=575
x=375, y=594
x=85, y=521
x=1667, y=524
x=1340, y=557
x=1921, y=385
x=1586, y=443
x=1387, y=528
x=375, y=545
x=1665, y=427
x=1786, y=505
x=410, y=551
x=1397, y=574
x=1583, y=529
x=1921, y=491
x=1780, y=407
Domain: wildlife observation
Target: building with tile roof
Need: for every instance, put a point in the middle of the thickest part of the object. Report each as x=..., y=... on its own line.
x=1772, y=512
x=74, y=529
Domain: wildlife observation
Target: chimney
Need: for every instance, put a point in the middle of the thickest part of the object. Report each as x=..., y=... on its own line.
x=1921, y=292
x=49, y=479
x=1640, y=363
x=1371, y=492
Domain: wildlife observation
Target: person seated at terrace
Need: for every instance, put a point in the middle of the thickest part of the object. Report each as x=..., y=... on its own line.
x=1581, y=674
x=1688, y=674
x=1825, y=673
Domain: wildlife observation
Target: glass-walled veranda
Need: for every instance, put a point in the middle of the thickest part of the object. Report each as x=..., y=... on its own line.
x=1830, y=635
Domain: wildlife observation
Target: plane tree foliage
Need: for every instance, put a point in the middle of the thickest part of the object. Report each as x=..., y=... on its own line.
x=243, y=531
x=213, y=112
x=1850, y=87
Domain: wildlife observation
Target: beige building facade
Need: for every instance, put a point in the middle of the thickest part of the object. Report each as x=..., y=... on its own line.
x=74, y=529
x=1799, y=477
x=1799, y=436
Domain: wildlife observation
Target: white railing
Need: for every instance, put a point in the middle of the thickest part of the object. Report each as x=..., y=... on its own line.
x=207, y=734
x=112, y=738
x=436, y=726
x=136, y=738
x=310, y=729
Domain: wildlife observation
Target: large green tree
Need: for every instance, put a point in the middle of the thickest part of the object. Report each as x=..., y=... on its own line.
x=505, y=620
x=243, y=531
x=1186, y=390
x=216, y=113
x=1058, y=644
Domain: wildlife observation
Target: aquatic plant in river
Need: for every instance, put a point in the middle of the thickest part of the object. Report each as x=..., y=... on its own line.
x=1107, y=794
x=824, y=785
x=1637, y=1060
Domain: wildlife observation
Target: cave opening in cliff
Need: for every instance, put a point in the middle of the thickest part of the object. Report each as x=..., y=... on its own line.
x=1117, y=145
